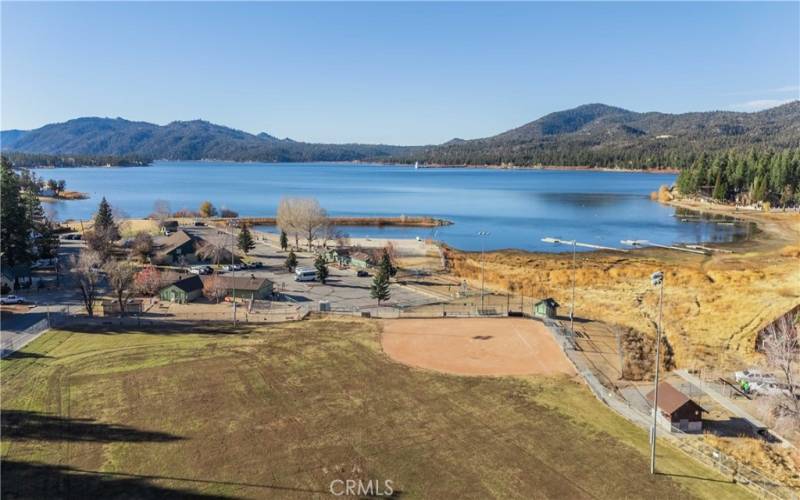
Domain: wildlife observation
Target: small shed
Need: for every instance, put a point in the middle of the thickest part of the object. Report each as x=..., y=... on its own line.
x=169, y=225
x=547, y=308
x=676, y=409
x=183, y=291
x=132, y=306
x=361, y=260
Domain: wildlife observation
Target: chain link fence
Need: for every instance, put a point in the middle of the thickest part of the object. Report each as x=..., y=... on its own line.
x=690, y=444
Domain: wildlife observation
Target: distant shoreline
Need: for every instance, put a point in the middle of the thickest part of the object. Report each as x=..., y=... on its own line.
x=546, y=167
x=376, y=163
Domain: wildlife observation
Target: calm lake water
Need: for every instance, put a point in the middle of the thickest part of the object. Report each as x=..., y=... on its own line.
x=517, y=207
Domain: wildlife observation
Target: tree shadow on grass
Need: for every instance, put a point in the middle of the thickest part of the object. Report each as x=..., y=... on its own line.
x=38, y=480
x=9, y=354
x=26, y=425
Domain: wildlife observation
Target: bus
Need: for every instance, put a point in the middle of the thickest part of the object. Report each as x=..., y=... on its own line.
x=305, y=274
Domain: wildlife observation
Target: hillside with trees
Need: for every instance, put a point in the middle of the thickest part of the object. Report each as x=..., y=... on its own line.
x=745, y=178
x=180, y=140
x=594, y=135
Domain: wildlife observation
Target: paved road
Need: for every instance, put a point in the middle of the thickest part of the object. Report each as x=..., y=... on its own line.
x=15, y=321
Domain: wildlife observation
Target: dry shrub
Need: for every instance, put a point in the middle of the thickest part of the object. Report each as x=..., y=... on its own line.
x=638, y=353
x=778, y=462
x=791, y=251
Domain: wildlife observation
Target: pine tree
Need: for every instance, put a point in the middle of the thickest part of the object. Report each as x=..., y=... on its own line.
x=284, y=241
x=386, y=264
x=379, y=289
x=104, y=219
x=246, y=242
x=291, y=261
x=322, y=269
x=14, y=223
x=719, y=188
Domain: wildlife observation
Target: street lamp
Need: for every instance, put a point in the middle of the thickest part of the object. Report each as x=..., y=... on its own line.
x=657, y=279
x=574, y=244
x=482, y=235
x=233, y=271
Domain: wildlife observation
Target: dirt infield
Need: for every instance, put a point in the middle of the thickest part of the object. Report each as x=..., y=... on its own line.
x=475, y=346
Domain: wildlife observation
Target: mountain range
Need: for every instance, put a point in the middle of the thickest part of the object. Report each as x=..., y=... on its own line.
x=589, y=135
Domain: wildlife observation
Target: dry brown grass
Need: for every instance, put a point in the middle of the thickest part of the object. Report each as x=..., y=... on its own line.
x=713, y=306
x=780, y=463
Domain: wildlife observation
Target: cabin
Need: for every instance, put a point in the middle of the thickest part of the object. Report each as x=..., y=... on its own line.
x=676, y=410
x=547, y=308
x=360, y=260
x=245, y=287
x=168, y=226
x=175, y=246
x=183, y=291
x=337, y=256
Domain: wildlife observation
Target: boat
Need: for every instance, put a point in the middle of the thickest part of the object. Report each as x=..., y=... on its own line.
x=416, y=164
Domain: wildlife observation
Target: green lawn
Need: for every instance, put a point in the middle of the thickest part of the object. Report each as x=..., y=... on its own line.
x=285, y=410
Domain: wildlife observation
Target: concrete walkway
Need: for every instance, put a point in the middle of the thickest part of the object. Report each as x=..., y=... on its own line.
x=721, y=399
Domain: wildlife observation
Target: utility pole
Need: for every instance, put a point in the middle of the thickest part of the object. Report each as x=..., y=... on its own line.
x=482, y=235
x=657, y=278
x=574, y=277
x=233, y=278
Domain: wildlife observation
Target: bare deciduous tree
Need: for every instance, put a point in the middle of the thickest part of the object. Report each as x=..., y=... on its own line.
x=781, y=346
x=142, y=246
x=121, y=277
x=213, y=252
x=287, y=218
x=312, y=218
x=85, y=268
x=161, y=210
x=148, y=281
x=330, y=232
x=214, y=289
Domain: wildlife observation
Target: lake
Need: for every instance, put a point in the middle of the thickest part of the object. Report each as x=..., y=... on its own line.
x=517, y=207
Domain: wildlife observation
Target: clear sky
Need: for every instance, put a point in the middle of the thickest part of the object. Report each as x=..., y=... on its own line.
x=412, y=73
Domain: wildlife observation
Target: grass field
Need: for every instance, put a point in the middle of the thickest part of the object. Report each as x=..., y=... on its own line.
x=284, y=410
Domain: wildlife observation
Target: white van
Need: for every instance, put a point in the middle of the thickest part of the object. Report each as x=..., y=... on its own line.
x=305, y=274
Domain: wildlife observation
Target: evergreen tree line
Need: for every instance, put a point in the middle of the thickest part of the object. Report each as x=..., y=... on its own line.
x=26, y=234
x=36, y=160
x=745, y=177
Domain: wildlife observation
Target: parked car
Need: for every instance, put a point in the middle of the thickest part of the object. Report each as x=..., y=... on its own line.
x=362, y=274
x=258, y=265
x=12, y=299
x=754, y=375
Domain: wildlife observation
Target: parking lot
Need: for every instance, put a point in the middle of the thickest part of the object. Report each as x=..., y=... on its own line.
x=343, y=290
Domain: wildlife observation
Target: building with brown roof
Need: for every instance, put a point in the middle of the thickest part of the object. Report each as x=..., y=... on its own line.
x=246, y=286
x=676, y=409
x=176, y=245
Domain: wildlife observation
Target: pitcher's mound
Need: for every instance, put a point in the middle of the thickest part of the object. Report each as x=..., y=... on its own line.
x=475, y=346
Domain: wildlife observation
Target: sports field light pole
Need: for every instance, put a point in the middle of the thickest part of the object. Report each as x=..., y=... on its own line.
x=657, y=279
x=482, y=235
x=233, y=270
x=574, y=277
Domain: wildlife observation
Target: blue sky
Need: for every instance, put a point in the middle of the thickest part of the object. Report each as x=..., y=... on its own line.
x=411, y=73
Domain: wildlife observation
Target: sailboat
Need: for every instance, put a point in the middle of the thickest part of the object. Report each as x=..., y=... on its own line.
x=416, y=164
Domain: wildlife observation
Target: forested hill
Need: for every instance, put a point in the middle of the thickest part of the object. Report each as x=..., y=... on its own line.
x=589, y=135
x=190, y=140
x=605, y=136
